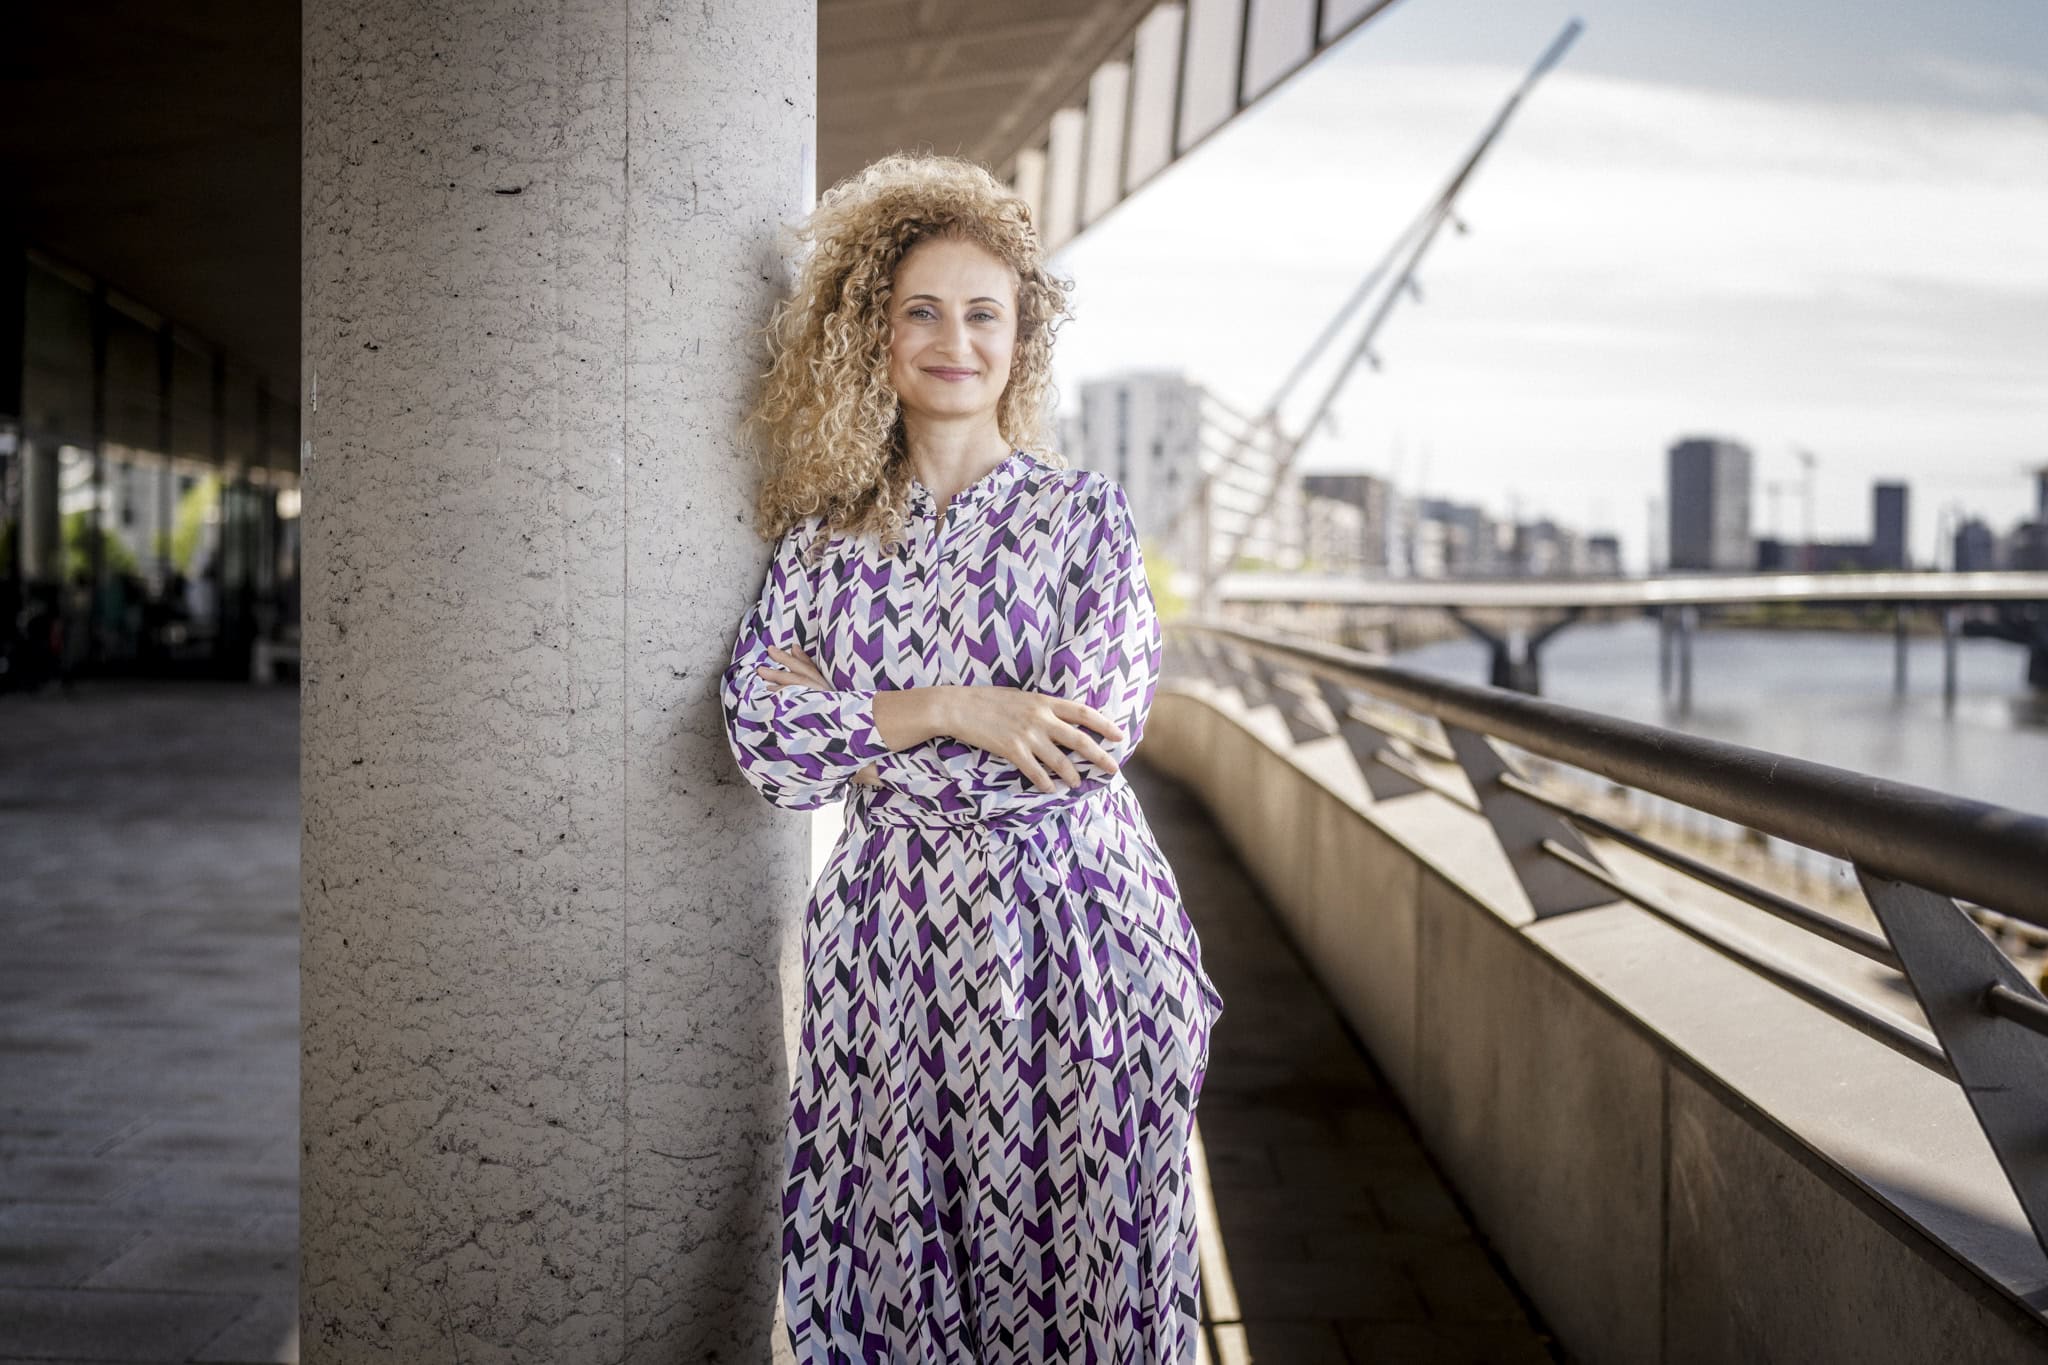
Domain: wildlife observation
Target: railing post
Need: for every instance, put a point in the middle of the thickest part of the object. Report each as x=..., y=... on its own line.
x=1980, y=1006
x=1302, y=725
x=1522, y=825
x=1245, y=676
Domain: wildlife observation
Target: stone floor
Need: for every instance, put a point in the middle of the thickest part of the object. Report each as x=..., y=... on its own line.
x=1342, y=1241
x=149, y=1017
x=149, y=1070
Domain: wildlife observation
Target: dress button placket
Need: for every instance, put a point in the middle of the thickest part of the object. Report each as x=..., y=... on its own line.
x=936, y=617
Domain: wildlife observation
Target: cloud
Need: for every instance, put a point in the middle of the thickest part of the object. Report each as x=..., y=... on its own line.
x=1854, y=275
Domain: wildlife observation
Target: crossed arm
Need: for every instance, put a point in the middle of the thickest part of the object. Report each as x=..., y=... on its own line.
x=801, y=746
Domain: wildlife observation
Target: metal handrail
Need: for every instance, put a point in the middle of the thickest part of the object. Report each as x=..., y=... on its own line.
x=1962, y=847
x=1820, y=925
x=1916, y=853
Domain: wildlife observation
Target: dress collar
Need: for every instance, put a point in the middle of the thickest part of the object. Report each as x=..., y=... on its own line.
x=1005, y=473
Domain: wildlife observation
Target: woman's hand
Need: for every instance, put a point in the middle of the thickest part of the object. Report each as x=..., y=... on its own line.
x=797, y=668
x=1029, y=728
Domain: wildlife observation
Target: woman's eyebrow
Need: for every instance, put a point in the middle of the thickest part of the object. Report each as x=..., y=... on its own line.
x=936, y=299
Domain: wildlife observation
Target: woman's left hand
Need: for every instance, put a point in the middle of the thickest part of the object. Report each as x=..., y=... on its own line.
x=796, y=669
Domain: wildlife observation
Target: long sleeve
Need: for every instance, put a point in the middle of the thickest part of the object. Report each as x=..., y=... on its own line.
x=798, y=745
x=1105, y=651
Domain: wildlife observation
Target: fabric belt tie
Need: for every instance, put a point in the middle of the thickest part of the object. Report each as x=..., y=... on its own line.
x=1077, y=977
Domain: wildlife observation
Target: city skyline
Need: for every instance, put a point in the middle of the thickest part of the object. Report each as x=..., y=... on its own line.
x=1836, y=247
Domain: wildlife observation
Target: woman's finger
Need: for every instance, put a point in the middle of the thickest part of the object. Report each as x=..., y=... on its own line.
x=1056, y=758
x=1092, y=718
x=1084, y=743
x=1028, y=765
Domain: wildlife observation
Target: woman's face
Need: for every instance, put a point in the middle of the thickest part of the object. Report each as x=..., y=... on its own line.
x=952, y=328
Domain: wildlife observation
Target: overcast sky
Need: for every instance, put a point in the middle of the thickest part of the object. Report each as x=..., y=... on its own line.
x=1819, y=226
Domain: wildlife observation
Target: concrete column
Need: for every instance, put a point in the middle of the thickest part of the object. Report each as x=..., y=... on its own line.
x=549, y=935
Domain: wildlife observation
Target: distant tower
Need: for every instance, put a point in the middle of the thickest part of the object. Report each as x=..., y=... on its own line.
x=1888, y=526
x=1143, y=429
x=2041, y=495
x=1976, y=548
x=1707, y=487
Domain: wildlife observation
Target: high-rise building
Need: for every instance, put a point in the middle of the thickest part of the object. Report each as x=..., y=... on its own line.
x=1458, y=540
x=1976, y=546
x=1143, y=429
x=1333, y=535
x=1545, y=549
x=1888, y=526
x=1374, y=499
x=1603, y=556
x=1146, y=429
x=1708, y=492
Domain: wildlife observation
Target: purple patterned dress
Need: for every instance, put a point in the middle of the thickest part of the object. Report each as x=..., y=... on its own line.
x=1005, y=1018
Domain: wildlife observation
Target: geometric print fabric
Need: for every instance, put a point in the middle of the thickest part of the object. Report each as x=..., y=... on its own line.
x=1006, y=1018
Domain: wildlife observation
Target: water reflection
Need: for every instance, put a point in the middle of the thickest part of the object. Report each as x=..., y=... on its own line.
x=1821, y=695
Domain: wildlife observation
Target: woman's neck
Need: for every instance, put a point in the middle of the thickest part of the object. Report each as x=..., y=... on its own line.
x=946, y=456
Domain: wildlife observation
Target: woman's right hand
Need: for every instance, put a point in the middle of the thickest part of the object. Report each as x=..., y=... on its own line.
x=1029, y=729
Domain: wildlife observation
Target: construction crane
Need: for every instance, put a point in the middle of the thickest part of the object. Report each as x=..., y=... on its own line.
x=1392, y=277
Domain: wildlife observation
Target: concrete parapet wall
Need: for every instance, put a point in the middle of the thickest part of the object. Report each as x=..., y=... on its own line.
x=1678, y=1160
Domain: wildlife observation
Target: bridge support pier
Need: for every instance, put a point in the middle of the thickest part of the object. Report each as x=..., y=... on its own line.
x=1948, y=661
x=2022, y=623
x=1664, y=643
x=1674, y=652
x=1899, y=650
x=1516, y=660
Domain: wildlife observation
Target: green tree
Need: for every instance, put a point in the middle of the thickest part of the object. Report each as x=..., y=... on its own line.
x=78, y=538
x=1159, y=571
x=190, y=522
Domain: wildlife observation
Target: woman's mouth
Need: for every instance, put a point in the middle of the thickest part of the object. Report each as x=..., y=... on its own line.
x=954, y=375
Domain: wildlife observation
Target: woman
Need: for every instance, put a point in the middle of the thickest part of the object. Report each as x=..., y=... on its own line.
x=1005, y=1015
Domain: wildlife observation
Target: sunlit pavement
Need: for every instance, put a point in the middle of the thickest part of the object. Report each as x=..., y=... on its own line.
x=1328, y=1236
x=149, y=1070
x=149, y=1018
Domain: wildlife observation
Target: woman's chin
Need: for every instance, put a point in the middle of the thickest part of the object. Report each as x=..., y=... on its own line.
x=950, y=405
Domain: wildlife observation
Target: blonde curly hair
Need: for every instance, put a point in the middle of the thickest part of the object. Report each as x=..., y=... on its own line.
x=826, y=414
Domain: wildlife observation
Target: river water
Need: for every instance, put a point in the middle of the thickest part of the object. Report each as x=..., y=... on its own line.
x=1819, y=695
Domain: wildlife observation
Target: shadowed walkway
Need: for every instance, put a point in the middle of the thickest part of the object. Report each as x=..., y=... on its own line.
x=1342, y=1243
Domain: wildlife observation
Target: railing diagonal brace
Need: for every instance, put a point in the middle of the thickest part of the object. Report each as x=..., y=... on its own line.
x=1367, y=742
x=2001, y=1061
x=1302, y=724
x=1521, y=825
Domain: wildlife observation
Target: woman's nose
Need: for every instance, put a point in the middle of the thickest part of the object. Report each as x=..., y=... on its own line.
x=955, y=338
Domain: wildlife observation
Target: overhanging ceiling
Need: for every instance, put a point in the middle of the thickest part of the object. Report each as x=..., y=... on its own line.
x=157, y=145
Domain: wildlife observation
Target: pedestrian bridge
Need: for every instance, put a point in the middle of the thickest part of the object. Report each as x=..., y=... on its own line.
x=1514, y=618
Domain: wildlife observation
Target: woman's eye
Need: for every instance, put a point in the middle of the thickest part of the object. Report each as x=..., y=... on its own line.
x=987, y=315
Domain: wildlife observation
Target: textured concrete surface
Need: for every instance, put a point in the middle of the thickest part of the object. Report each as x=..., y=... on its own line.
x=549, y=935
x=1512, y=1047
x=1343, y=1244
x=149, y=838
x=1739, y=1289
